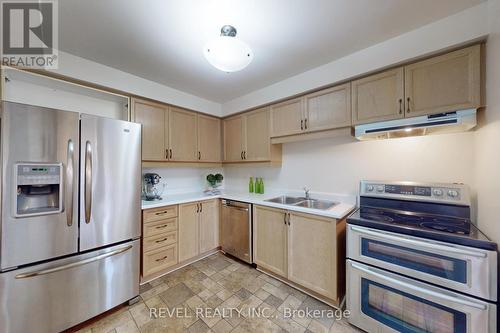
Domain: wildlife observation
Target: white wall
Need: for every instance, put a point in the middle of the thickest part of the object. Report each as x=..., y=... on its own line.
x=86, y=70
x=453, y=30
x=179, y=180
x=337, y=165
x=487, y=138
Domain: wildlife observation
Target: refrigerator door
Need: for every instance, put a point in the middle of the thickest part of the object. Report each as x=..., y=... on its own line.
x=57, y=295
x=39, y=184
x=110, y=181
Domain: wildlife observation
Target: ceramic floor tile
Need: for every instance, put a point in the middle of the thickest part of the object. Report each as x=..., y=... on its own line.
x=176, y=295
x=198, y=327
x=222, y=327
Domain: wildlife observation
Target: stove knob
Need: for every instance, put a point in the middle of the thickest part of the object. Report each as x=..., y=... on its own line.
x=438, y=192
x=452, y=193
x=369, y=188
x=380, y=188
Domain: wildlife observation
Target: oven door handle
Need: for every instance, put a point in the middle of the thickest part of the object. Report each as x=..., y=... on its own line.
x=430, y=246
x=420, y=290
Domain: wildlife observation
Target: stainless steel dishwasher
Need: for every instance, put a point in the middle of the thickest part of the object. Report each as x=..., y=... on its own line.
x=236, y=229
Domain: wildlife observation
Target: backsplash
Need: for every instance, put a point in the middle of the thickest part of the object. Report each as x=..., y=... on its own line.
x=184, y=179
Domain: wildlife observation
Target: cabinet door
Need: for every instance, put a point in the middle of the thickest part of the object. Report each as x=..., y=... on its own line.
x=258, y=141
x=188, y=231
x=182, y=135
x=209, y=225
x=152, y=117
x=378, y=97
x=287, y=118
x=445, y=83
x=328, y=109
x=270, y=239
x=312, y=264
x=233, y=139
x=209, y=143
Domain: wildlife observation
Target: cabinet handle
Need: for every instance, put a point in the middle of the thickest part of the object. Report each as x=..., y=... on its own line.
x=302, y=124
x=166, y=154
x=170, y=153
x=161, y=259
x=284, y=219
x=241, y=154
x=201, y=207
x=161, y=226
x=408, y=105
x=199, y=155
x=305, y=123
x=244, y=155
x=288, y=218
x=161, y=213
x=161, y=240
x=197, y=208
x=400, y=106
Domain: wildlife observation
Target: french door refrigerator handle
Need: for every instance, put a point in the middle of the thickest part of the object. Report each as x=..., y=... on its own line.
x=88, y=181
x=426, y=245
x=73, y=264
x=418, y=289
x=69, y=183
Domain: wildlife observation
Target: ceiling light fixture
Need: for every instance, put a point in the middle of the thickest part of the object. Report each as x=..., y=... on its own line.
x=227, y=53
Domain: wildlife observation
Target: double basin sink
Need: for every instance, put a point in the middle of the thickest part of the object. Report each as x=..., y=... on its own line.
x=303, y=202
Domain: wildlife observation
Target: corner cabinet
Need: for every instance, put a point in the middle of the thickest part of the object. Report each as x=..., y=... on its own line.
x=283, y=247
x=323, y=110
x=247, y=138
x=171, y=134
x=440, y=84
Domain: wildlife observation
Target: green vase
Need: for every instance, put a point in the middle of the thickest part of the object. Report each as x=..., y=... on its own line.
x=250, y=185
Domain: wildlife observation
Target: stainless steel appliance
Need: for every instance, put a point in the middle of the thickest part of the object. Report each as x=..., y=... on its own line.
x=236, y=229
x=70, y=213
x=416, y=263
x=151, y=189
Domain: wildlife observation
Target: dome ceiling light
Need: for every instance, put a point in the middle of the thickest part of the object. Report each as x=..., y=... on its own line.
x=227, y=53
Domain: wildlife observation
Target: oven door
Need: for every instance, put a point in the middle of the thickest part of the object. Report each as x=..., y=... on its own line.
x=381, y=301
x=468, y=270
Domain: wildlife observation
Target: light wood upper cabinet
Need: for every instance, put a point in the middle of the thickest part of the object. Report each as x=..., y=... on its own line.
x=182, y=135
x=209, y=225
x=445, y=83
x=256, y=134
x=287, y=118
x=152, y=117
x=378, y=97
x=209, y=139
x=270, y=239
x=328, y=108
x=313, y=264
x=233, y=139
x=188, y=231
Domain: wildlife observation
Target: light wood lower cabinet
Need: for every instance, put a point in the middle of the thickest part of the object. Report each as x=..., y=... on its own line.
x=159, y=239
x=188, y=231
x=305, y=249
x=209, y=225
x=312, y=249
x=270, y=239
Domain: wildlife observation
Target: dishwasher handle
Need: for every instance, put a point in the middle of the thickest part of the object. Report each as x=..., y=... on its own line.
x=229, y=204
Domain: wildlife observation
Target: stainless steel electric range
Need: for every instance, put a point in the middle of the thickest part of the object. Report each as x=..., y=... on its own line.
x=416, y=263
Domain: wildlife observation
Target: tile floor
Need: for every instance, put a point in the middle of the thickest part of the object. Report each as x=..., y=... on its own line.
x=231, y=296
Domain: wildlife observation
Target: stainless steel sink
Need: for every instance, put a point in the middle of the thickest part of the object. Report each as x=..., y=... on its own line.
x=303, y=202
x=286, y=200
x=316, y=204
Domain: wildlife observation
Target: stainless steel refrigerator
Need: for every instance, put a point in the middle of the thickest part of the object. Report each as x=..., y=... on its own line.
x=70, y=209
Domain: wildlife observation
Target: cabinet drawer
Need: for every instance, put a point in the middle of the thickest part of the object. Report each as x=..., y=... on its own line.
x=159, y=227
x=154, y=242
x=161, y=213
x=159, y=259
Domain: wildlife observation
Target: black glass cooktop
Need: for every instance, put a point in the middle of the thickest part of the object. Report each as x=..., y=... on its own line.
x=424, y=223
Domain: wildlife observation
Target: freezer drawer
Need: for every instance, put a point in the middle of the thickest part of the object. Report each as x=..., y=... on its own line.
x=60, y=294
x=465, y=269
x=383, y=302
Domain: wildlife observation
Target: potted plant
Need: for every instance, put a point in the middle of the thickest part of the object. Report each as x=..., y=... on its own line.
x=215, y=181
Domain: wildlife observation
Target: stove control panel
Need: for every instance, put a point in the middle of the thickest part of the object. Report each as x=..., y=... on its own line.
x=453, y=193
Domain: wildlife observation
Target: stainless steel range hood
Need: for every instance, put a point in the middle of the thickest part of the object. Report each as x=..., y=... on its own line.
x=450, y=122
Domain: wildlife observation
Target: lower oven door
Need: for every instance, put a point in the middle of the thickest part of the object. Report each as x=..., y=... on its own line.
x=461, y=268
x=381, y=301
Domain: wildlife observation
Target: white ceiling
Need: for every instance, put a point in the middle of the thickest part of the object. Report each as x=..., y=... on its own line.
x=162, y=40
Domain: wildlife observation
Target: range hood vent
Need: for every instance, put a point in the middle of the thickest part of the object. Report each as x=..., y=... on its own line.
x=450, y=122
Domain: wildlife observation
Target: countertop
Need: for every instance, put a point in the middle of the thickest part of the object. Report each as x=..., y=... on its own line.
x=346, y=203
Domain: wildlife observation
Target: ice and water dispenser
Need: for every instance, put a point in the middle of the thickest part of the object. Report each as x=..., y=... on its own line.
x=39, y=189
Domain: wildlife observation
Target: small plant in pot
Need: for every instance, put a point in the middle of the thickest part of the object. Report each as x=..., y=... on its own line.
x=215, y=181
